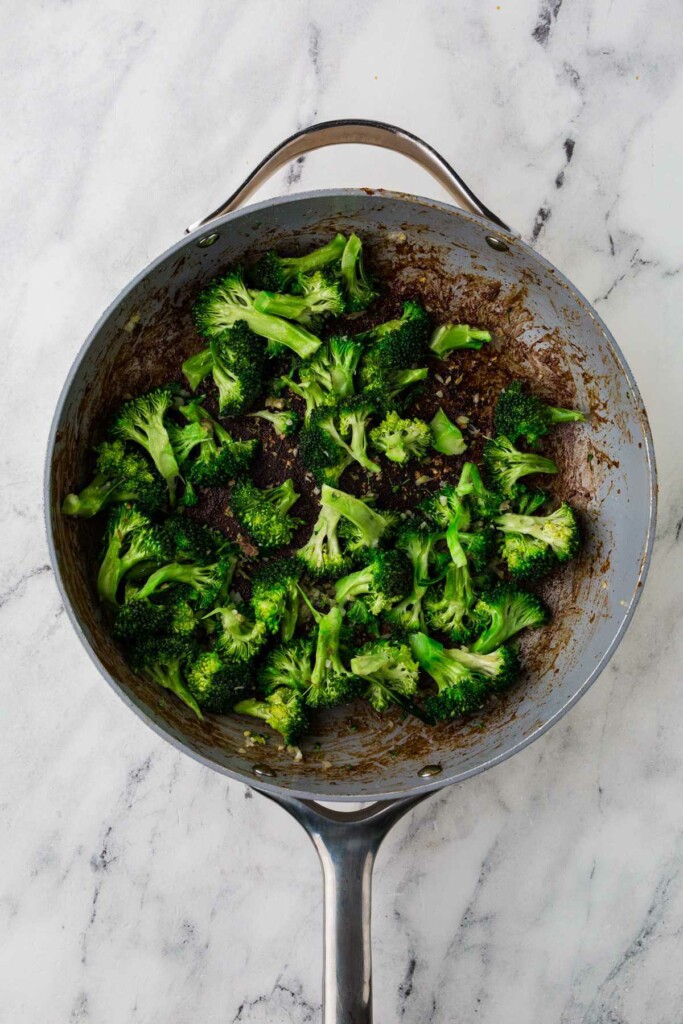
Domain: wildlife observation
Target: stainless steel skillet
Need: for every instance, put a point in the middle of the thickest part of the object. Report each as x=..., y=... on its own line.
x=548, y=332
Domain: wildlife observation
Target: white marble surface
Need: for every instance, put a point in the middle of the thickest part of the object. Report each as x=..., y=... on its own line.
x=137, y=886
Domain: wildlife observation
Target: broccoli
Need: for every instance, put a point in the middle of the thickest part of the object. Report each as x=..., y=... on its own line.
x=273, y=273
x=308, y=388
x=398, y=344
x=285, y=421
x=331, y=682
x=367, y=525
x=228, y=300
x=447, y=510
x=527, y=500
x=275, y=595
x=359, y=290
x=449, y=337
x=237, y=361
x=389, y=389
x=263, y=513
x=141, y=420
x=506, y=465
x=483, y=503
x=315, y=296
x=283, y=710
x=418, y=544
x=131, y=540
x=532, y=543
x=165, y=661
x=239, y=637
x=461, y=690
x=136, y=620
x=208, y=582
x=355, y=415
x=390, y=672
x=322, y=554
x=289, y=665
x=519, y=414
x=120, y=476
x=503, y=612
x=499, y=667
x=400, y=439
x=191, y=541
x=323, y=450
x=329, y=375
x=197, y=367
x=384, y=580
x=216, y=684
x=185, y=439
x=446, y=437
x=450, y=611
x=480, y=547
x=220, y=457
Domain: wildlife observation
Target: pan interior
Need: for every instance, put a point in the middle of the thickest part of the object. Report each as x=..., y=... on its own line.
x=545, y=332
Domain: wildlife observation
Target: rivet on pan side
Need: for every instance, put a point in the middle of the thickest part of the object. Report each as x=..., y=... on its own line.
x=264, y=769
x=430, y=770
x=496, y=243
x=208, y=240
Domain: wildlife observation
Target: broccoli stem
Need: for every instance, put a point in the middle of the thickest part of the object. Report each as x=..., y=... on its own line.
x=327, y=645
x=91, y=499
x=370, y=525
x=457, y=336
x=447, y=438
x=197, y=367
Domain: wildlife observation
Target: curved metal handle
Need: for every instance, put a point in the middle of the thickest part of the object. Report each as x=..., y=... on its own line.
x=368, y=133
x=347, y=844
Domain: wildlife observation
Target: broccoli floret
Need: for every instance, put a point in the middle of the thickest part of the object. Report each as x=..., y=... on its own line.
x=483, y=503
x=506, y=464
x=216, y=684
x=461, y=689
x=263, y=513
x=322, y=554
x=141, y=420
x=418, y=544
x=323, y=451
x=285, y=421
x=329, y=375
x=228, y=300
x=355, y=415
x=520, y=414
x=237, y=361
x=185, y=439
x=220, y=457
x=197, y=367
x=398, y=344
x=165, y=661
x=316, y=296
x=208, y=582
x=480, y=547
x=446, y=437
x=331, y=682
x=450, y=610
x=390, y=672
x=503, y=612
x=392, y=389
x=557, y=536
x=447, y=510
x=368, y=525
x=386, y=578
x=527, y=500
x=136, y=620
x=308, y=388
x=239, y=638
x=273, y=273
x=275, y=595
x=499, y=667
x=190, y=541
x=359, y=290
x=120, y=475
x=401, y=439
x=283, y=710
x=449, y=337
x=131, y=539
x=289, y=665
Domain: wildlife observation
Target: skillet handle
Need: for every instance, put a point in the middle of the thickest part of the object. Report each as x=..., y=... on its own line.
x=347, y=843
x=369, y=133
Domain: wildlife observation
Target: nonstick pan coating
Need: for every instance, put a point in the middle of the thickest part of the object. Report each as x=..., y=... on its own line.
x=545, y=331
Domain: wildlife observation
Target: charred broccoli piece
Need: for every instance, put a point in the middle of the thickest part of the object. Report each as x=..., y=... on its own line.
x=520, y=414
x=141, y=420
x=450, y=337
x=398, y=344
x=401, y=439
x=392, y=389
x=274, y=273
x=506, y=465
x=264, y=513
x=505, y=611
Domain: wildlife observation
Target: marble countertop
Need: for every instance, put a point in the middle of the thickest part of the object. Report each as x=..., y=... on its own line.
x=137, y=886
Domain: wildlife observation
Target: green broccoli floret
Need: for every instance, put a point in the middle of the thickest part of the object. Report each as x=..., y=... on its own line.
x=419, y=545
x=385, y=579
x=141, y=421
x=120, y=475
x=449, y=337
x=503, y=612
x=283, y=710
x=331, y=682
x=447, y=510
x=480, y=547
x=220, y=457
x=392, y=389
x=390, y=672
x=275, y=595
x=323, y=451
x=359, y=290
x=237, y=362
x=483, y=503
x=289, y=665
x=264, y=513
x=131, y=539
x=228, y=300
x=197, y=367
x=191, y=541
x=274, y=273
x=239, y=637
x=208, y=582
x=506, y=464
x=461, y=689
x=329, y=376
x=216, y=684
x=285, y=421
x=446, y=437
x=136, y=620
x=450, y=609
x=520, y=414
x=398, y=344
x=316, y=296
x=165, y=661
x=527, y=500
x=401, y=439
x=308, y=388
x=557, y=537
x=367, y=526
x=354, y=419
x=322, y=554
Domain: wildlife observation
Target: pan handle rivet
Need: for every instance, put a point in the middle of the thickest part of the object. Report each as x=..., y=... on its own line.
x=496, y=243
x=264, y=769
x=429, y=771
x=208, y=240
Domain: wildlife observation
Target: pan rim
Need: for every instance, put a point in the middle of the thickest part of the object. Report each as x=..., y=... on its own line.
x=420, y=786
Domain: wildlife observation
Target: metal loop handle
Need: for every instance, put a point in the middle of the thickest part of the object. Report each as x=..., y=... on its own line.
x=358, y=132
